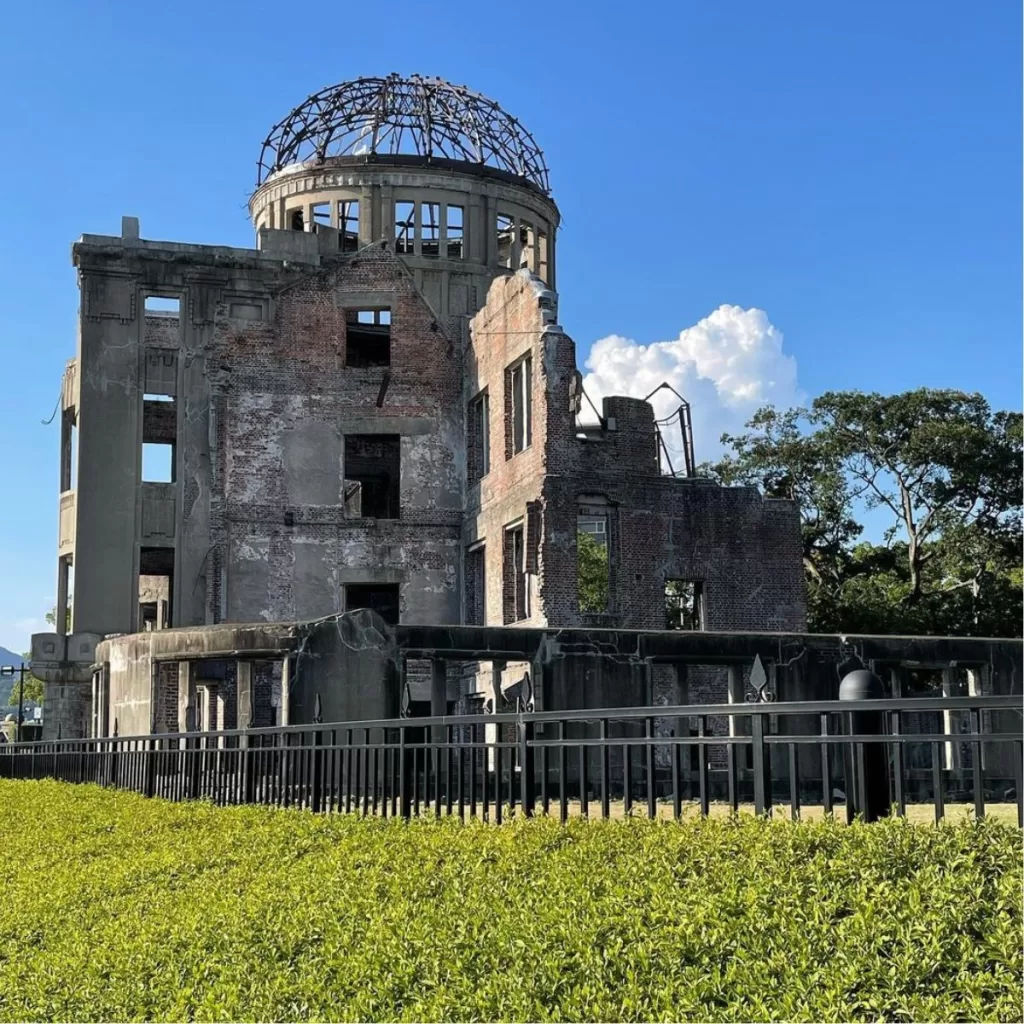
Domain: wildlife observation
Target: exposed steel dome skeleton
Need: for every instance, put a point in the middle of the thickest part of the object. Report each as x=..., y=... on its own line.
x=427, y=117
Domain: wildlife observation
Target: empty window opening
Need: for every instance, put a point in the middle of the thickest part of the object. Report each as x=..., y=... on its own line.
x=454, y=232
x=519, y=382
x=372, y=476
x=348, y=224
x=405, y=228
x=156, y=588
x=154, y=602
x=322, y=214
x=478, y=442
x=526, y=246
x=68, y=450
x=367, y=337
x=430, y=229
x=159, y=434
x=542, y=256
x=684, y=604
x=297, y=220
x=379, y=597
x=162, y=305
x=157, y=463
x=476, y=586
x=592, y=562
x=505, y=231
x=515, y=584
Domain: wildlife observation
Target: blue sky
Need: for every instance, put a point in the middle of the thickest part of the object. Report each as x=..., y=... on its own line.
x=849, y=172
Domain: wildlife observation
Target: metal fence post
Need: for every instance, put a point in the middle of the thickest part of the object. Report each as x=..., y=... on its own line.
x=316, y=802
x=762, y=768
x=527, y=792
x=866, y=764
x=149, y=753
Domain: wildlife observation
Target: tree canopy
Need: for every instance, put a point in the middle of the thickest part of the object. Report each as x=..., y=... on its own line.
x=943, y=474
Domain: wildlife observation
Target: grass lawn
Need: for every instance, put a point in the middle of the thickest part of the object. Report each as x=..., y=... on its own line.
x=114, y=907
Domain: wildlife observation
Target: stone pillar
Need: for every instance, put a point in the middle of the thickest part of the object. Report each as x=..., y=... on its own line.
x=286, y=691
x=186, y=697
x=244, y=694
x=897, y=677
x=950, y=721
x=977, y=686
x=61, y=611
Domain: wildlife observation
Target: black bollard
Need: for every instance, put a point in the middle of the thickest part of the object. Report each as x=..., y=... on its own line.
x=866, y=765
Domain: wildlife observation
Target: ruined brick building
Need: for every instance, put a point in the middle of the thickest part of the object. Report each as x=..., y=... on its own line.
x=374, y=407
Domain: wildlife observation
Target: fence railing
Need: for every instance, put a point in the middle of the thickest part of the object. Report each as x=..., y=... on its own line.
x=651, y=760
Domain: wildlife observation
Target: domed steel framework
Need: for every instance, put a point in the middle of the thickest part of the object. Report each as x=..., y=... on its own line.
x=425, y=117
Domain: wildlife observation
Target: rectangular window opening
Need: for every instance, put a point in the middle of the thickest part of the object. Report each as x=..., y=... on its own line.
x=296, y=219
x=505, y=227
x=348, y=224
x=162, y=305
x=156, y=588
x=684, y=604
x=159, y=436
x=454, y=232
x=520, y=385
x=367, y=337
x=322, y=214
x=379, y=597
x=516, y=584
x=372, y=476
x=430, y=229
x=478, y=442
x=154, y=601
x=592, y=562
x=476, y=586
x=157, y=463
x=542, y=256
x=405, y=228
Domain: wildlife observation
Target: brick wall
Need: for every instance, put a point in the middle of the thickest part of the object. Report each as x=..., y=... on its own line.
x=284, y=402
x=745, y=550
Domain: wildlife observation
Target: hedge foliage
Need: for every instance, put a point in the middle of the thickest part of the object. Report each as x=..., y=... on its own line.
x=114, y=907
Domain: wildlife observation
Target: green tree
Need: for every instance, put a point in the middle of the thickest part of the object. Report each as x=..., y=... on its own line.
x=592, y=569
x=33, y=688
x=945, y=468
x=51, y=616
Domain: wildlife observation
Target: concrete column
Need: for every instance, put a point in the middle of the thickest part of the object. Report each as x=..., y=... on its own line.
x=977, y=686
x=736, y=727
x=61, y=611
x=244, y=694
x=94, y=723
x=387, y=215
x=683, y=727
x=517, y=248
x=950, y=720
x=286, y=691
x=186, y=697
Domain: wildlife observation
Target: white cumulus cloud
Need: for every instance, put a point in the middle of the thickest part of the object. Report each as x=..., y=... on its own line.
x=726, y=366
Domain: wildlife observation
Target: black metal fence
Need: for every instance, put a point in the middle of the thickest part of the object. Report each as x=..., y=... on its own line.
x=651, y=760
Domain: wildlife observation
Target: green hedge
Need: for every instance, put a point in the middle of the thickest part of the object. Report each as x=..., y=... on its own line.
x=114, y=907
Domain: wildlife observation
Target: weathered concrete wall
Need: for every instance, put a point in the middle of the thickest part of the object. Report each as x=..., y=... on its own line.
x=350, y=662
